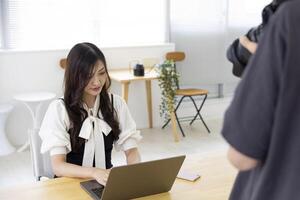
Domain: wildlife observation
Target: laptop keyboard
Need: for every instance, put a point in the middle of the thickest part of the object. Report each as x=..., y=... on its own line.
x=98, y=191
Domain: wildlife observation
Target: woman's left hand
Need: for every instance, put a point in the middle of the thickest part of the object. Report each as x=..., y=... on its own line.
x=133, y=156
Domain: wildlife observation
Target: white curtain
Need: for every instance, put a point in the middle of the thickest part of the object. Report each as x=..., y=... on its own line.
x=52, y=24
x=127, y=22
x=244, y=14
x=204, y=29
x=197, y=28
x=1, y=24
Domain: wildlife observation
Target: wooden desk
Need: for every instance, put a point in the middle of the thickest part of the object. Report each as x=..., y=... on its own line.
x=125, y=76
x=216, y=181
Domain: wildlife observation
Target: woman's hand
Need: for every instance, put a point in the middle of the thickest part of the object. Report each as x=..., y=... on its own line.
x=133, y=156
x=100, y=175
x=251, y=46
x=62, y=168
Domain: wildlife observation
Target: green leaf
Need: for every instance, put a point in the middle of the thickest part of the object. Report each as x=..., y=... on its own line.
x=168, y=81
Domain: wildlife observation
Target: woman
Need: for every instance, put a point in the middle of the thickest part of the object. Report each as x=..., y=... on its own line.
x=80, y=129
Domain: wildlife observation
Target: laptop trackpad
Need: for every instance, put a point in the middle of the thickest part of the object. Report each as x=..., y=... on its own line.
x=98, y=191
x=93, y=188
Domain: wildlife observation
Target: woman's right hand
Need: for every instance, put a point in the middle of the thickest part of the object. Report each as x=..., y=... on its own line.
x=100, y=175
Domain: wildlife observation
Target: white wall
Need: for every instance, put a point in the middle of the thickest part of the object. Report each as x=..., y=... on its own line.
x=39, y=71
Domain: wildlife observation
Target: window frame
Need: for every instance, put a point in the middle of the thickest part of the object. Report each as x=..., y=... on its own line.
x=4, y=39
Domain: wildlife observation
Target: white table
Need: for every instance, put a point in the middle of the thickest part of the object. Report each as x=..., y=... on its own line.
x=33, y=101
x=5, y=146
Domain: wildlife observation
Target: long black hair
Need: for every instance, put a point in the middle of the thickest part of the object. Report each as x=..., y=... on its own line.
x=80, y=66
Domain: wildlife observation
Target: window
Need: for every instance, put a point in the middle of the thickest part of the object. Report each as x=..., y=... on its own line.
x=56, y=24
x=1, y=25
x=128, y=22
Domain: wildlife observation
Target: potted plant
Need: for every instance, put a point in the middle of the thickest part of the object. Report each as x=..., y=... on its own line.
x=168, y=82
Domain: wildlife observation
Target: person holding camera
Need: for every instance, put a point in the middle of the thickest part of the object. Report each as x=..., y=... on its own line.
x=81, y=129
x=262, y=123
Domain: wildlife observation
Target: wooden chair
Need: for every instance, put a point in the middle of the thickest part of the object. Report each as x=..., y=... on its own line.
x=189, y=92
x=63, y=63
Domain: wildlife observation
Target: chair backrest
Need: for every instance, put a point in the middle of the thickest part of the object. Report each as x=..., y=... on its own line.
x=63, y=63
x=175, y=56
x=41, y=162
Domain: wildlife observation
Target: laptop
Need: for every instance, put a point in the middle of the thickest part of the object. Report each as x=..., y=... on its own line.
x=136, y=180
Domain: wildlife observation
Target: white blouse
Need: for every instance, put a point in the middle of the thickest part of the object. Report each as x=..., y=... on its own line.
x=56, y=124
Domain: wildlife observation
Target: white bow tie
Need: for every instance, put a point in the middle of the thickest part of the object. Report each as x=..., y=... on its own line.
x=94, y=147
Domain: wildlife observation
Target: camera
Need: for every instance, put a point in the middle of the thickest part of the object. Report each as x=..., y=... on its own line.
x=237, y=54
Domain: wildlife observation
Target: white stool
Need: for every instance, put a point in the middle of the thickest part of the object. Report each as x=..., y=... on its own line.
x=5, y=146
x=34, y=101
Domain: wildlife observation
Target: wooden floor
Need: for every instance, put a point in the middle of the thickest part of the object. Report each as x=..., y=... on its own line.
x=157, y=143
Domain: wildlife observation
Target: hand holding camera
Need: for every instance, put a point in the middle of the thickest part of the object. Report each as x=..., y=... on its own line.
x=249, y=45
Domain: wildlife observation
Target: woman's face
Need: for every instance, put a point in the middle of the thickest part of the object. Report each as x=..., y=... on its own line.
x=97, y=81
